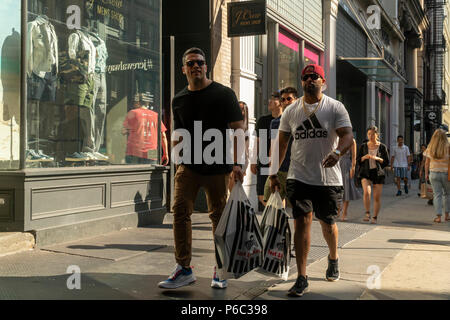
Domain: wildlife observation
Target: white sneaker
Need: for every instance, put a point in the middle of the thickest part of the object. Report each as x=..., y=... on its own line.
x=217, y=283
x=180, y=277
x=100, y=156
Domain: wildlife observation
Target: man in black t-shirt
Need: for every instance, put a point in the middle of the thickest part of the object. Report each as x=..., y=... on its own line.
x=262, y=124
x=204, y=110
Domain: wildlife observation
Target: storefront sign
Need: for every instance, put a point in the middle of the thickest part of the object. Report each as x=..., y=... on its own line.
x=145, y=65
x=109, y=9
x=246, y=18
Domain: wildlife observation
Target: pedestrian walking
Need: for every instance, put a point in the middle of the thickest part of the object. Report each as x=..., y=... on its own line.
x=348, y=164
x=213, y=106
x=288, y=96
x=372, y=158
x=401, y=163
x=436, y=169
x=262, y=129
x=321, y=131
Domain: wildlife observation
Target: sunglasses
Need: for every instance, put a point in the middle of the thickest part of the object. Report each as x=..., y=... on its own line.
x=287, y=99
x=192, y=63
x=313, y=76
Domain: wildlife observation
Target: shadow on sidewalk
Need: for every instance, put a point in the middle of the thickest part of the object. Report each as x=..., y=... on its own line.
x=421, y=241
x=113, y=286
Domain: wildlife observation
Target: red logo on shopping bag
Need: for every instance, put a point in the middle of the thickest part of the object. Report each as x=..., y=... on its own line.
x=275, y=254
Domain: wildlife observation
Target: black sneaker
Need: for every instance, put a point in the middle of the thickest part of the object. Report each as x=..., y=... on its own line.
x=333, y=270
x=299, y=288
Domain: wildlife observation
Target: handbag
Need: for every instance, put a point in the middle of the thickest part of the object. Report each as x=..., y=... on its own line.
x=426, y=190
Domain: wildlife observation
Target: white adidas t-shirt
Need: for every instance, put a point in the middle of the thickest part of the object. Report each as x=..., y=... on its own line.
x=314, y=138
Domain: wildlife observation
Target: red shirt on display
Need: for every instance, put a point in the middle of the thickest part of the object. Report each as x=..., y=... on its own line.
x=142, y=125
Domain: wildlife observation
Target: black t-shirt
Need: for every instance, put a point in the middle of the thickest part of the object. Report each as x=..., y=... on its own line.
x=215, y=106
x=263, y=123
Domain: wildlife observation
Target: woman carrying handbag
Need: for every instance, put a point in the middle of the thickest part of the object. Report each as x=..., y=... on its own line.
x=436, y=169
x=372, y=158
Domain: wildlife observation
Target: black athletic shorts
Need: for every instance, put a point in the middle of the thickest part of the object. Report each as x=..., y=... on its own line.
x=324, y=201
x=373, y=176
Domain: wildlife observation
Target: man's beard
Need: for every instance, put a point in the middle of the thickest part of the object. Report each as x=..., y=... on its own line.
x=312, y=89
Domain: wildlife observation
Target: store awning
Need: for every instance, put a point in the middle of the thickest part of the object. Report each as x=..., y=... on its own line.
x=376, y=69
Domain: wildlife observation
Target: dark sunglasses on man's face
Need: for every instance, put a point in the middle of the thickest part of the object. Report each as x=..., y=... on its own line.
x=192, y=63
x=289, y=99
x=313, y=76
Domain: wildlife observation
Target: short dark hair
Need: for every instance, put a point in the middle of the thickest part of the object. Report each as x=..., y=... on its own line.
x=193, y=50
x=400, y=136
x=289, y=90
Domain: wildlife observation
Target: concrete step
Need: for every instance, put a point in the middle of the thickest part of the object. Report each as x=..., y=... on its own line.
x=14, y=242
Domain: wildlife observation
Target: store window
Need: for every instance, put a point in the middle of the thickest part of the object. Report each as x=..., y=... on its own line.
x=10, y=41
x=311, y=56
x=288, y=61
x=93, y=83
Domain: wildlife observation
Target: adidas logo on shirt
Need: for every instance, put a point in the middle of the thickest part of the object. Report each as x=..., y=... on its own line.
x=310, y=129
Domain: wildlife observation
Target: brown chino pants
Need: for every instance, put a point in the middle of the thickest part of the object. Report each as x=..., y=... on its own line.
x=187, y=184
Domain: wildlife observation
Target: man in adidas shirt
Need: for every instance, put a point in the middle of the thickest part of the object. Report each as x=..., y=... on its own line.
x=322, y=132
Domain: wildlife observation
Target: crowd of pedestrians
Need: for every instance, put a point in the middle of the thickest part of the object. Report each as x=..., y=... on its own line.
x=313, y=161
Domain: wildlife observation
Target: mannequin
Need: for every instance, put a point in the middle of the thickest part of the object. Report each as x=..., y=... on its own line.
x=80, y=92
x=99, y=99
x=41, y=69
x=141, y=126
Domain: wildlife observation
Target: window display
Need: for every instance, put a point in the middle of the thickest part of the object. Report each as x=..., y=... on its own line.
x=10, y=42
x=86, y=63
x=288, y=61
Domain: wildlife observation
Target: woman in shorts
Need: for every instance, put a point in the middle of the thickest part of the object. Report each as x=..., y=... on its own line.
x=372, y=157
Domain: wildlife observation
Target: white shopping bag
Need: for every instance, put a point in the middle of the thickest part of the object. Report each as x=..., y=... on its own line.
x=276, y=238
x=238, y=238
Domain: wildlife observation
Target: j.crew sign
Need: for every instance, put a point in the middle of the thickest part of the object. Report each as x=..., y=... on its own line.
x=246, y=18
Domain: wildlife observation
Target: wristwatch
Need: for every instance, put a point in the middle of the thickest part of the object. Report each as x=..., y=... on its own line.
x=337, y=152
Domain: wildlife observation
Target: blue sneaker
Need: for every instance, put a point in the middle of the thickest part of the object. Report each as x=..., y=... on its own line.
x=180, y=277
x=406, y=189
x=399, y=193
x=217, y=283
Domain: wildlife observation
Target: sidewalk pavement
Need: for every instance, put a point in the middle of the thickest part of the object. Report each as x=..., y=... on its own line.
x=409, y=252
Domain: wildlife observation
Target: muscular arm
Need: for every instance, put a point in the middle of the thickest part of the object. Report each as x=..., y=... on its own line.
x=345, y=135
x=237, y=173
